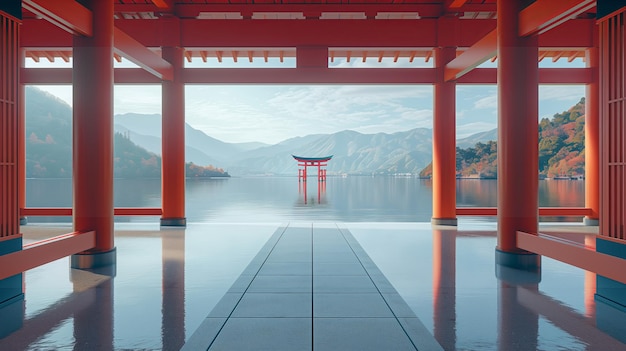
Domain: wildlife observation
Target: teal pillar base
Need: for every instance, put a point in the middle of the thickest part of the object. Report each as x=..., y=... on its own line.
x=608, y=315
x=518, y=268
x=610, y=290
x=94, y=260
x=10, y=287
x=12, y=314
x=173, y=222
x=591, y=222
x=444, y=221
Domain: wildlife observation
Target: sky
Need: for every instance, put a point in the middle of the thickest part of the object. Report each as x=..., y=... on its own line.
x=273, y=113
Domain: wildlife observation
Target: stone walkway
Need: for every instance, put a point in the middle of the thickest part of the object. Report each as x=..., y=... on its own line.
x=311, y=289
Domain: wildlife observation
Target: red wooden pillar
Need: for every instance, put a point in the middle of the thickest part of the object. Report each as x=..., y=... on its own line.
x=518, y=84
x=93, y=136
x=10, y=237
x=592, y=135
x=173, y=153
x=444, y=142
x=21, y=147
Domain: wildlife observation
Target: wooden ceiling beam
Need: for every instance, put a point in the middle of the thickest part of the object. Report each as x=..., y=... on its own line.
x=65, y=14
x=478, y=53
x=543, y=15
x=131, y=49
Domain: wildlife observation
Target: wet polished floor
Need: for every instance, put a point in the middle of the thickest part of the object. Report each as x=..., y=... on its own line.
x=167, y=281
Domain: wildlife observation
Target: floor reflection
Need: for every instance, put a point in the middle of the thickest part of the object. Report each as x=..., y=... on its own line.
x=167, y=281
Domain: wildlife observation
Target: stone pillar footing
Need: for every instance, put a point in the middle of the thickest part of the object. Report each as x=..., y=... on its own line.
x=518, y=268
x=591, y=222
x=173, y=222
x=444, y=221
x=94, y=260
x=23, y=220
x=518, y=260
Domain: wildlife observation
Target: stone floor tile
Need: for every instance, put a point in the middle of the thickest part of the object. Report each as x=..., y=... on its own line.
x=272, y=334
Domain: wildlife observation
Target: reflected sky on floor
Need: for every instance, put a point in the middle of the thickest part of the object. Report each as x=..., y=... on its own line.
x=167, y=281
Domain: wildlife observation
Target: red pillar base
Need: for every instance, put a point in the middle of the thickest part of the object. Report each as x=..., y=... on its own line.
x=529, y=262
x=444, y=221
x=173, y=222
x=94, y=260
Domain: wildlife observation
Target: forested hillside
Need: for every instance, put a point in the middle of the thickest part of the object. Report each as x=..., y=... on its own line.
x=49, y=144
x=561, y=149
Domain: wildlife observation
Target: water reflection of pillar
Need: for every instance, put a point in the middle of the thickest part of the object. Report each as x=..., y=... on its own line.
x=444, y=287
x=93, y=325
x=304, y=192
x=518, y=327
x=173, y=289
x=590, y=282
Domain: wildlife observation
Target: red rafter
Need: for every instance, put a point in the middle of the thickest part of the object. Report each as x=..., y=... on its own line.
x=130, y=48
x=480, y=52
x=543, y=15
x=65, y=14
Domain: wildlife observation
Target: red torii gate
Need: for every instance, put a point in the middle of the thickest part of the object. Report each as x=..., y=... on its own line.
x=306, y=162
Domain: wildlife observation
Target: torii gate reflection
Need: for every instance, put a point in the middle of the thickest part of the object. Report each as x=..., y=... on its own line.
x=303, y=164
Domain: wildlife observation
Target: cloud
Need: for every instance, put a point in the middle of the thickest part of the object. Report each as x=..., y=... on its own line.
x=488, y=102
x=561, y=92
x=468, y=129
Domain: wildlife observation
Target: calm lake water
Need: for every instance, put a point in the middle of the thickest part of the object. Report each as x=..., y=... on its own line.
x=271, y=199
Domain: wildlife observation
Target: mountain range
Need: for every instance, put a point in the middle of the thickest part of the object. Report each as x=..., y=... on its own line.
x=48, y=128
x=353, y=153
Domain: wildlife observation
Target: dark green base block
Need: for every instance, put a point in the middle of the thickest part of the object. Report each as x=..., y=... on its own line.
x=608, y=317
x=518, y=268
x=173, y=222
x=12, y=286
x=12, y=313
x=444, y=221
x=94, y=260
x=606, y=288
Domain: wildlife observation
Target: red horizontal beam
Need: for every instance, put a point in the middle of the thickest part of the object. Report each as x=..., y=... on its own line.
x=288, y=33
x=543, y=211
x=66, y=211
x=128, y=47
x=137, y=211
x=308, y=10
x=483, y=50
x=281, y=33
x=574, y=254
x=43, y=76
x=309, y=76
x=39, y=253
x=68, y=15
x=543, y=15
